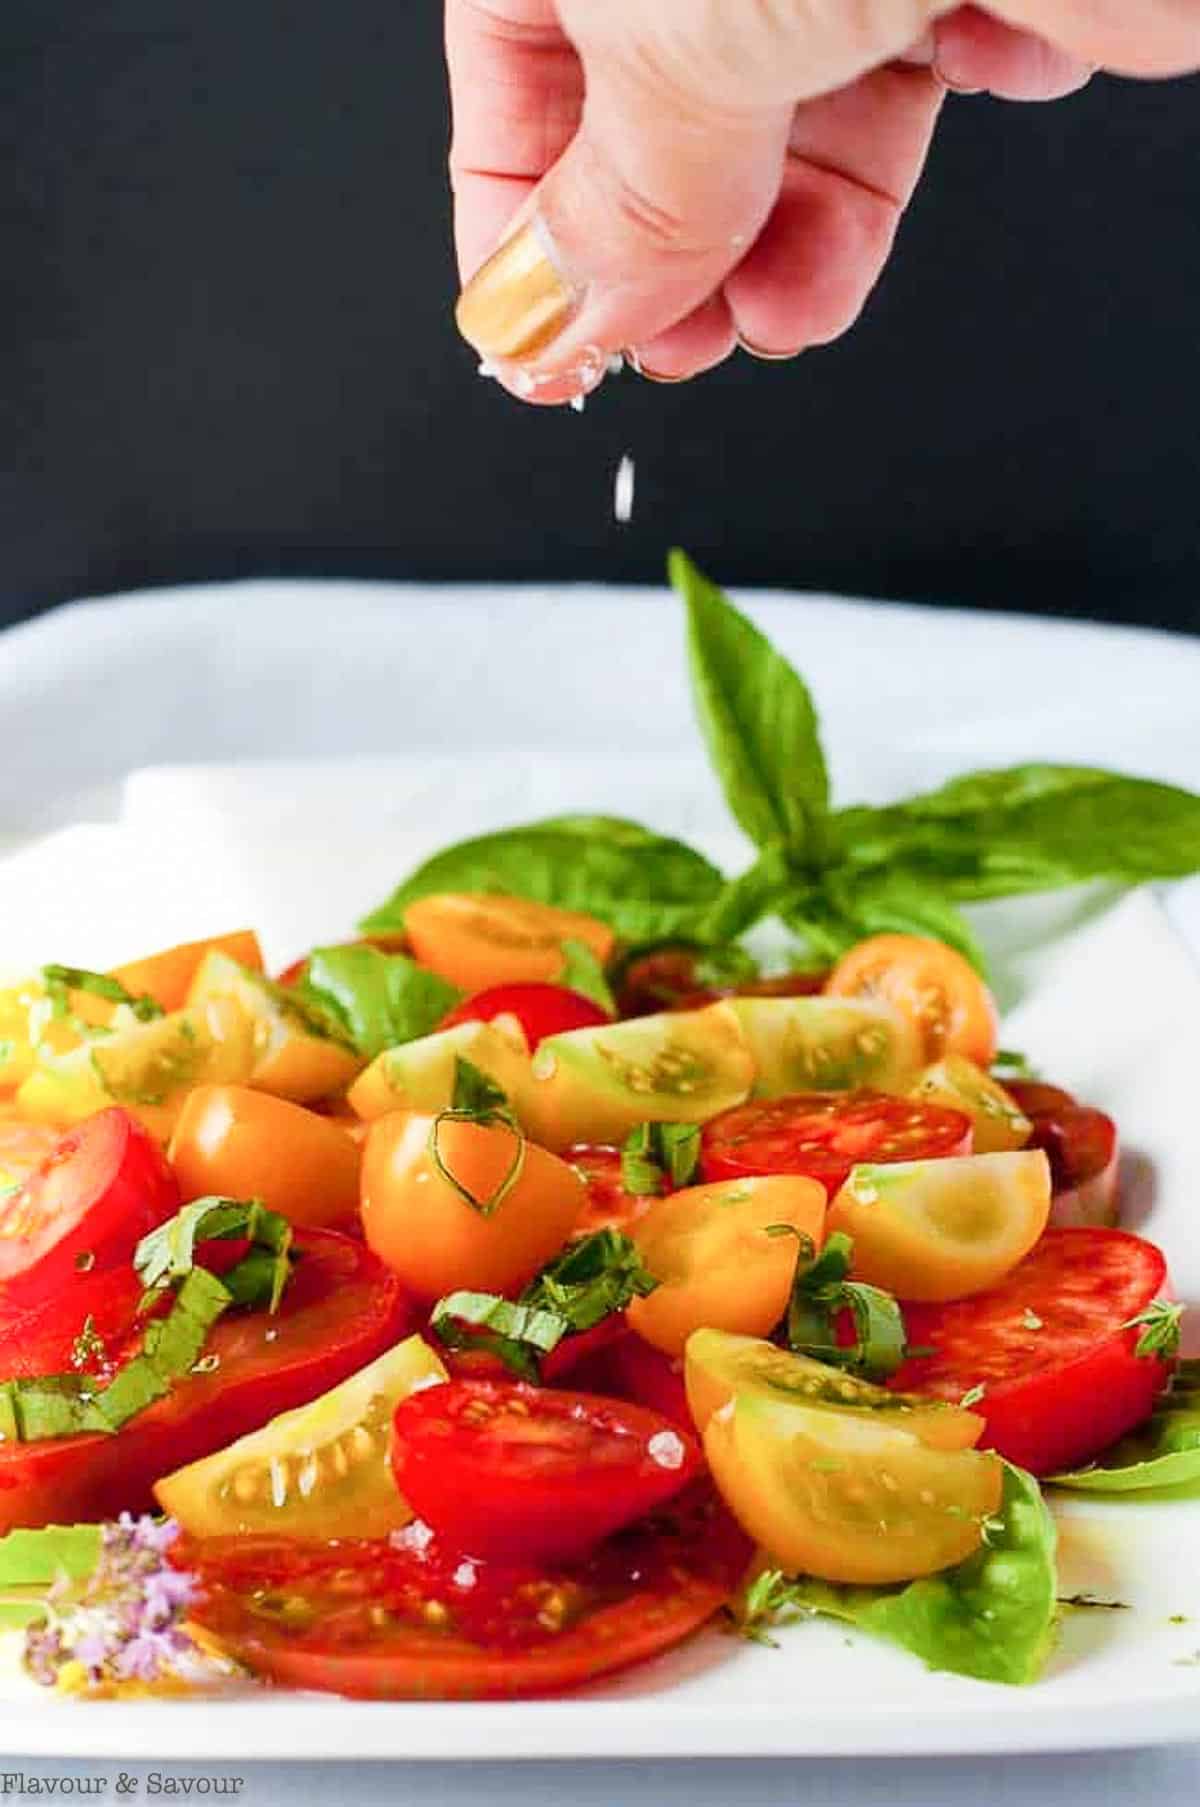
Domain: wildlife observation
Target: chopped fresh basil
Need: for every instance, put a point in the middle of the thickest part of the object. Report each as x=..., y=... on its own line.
x=478, y=1099
x=593, y=1279
x=659, y=1156
x=379, y=1000
x=168, y=1254
x=822, y=1293
x=991, y=1616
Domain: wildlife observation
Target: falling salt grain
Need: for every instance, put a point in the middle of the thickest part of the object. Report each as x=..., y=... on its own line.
x=488, y=369
x=666, y=1449
x=578, y=403
x=623, y=490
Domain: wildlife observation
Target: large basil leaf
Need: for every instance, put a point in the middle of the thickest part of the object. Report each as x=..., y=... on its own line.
x=757, y=719
x=1165, y=1452
x=893, y=901
x=991, y=1616
x=380, y=999
x=1030, y=828
x=643, y=884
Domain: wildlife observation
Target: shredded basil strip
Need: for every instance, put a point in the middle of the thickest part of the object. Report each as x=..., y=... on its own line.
x=659, y=1155
x=476, y=1098
x=168, y=1254
x=594, y=1279
x=821, y=1292
x=60, y=981
x=35, y=1409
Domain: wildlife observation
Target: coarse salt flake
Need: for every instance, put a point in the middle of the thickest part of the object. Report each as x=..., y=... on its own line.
x=623, y=490
x=666, y=1449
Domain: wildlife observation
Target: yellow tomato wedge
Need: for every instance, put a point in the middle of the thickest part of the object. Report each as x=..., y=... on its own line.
x=478, y=940
x=419, y=1075
x=291, y=1059
x=720, y=1368
x=835, y=1488
x=149, y=1068
x=464, y=1205
x=935, y=1230
x=724, y=1256
x=320, y=1471
x=999, y=1122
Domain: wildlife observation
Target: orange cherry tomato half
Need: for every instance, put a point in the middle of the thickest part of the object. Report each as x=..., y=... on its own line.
x=477, y=941
x=724, y=1257
x=239, y=1143
x=531, y=1473
x=541, y=1010
x=167, y=976
x=939, y=992
x=418, y=1184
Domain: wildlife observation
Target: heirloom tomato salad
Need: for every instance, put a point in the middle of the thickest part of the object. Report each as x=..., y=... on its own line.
x=487, y=1304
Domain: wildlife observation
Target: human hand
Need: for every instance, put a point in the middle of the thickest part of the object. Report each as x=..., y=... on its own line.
x=672, y=179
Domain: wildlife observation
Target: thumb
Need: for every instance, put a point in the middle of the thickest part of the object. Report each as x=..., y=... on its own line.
x=653, y=203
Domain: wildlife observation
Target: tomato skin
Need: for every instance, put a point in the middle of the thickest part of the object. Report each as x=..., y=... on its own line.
x=480, y=940
x=825, y=1134
x=489, y=1635
x=341, y=1309
x=238, y=1143
x=640, y=1372
x=940, y=992
x=609, y=1206
x=667, y=979
x=541, y=1010
x=520, y=1473
x=426, y=1232
x=101, y=1188
x=1057, y=1394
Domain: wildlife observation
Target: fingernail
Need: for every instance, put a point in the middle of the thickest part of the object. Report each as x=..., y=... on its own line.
x=651, y=376
x=517, y=304
x=766, y=357
x=922, y=52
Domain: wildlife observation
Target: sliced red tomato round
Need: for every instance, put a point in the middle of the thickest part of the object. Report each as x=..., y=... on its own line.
x=341, y=1309
x=517, y=1472
x=825, y=1134
x=85, y=1206
x=609, y=1206
x=1051, y=1349
x=1082, y=1147
x=541, y=1010
x=405, y=1621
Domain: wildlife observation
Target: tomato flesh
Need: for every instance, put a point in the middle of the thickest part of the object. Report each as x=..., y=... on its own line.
x=85, y=1206
x=609, y=1206
x=516, y=1472
x=541, y=1010
x=1051, y=1348
x=341, y=1309
x=404, y=1620
x=825, y=1134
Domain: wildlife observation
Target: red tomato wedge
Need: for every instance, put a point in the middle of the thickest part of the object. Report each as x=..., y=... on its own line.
x=609, y=1206
x=1082, y=1147
x=85, y=1206
x=403, y=1621
x=341, y=1309
x=525, y=1473
x=1050, y=1348
x=541, y=1010
x=825, y=1134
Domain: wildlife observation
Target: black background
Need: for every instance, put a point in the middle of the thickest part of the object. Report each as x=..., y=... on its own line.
x=226, y=345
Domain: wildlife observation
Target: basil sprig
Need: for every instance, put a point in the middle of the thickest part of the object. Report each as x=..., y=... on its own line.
x=831, y=875
x=821, y=1293
x=376, y=1000
x=595, y=1278
x=35, y=1408
x=657, y=1156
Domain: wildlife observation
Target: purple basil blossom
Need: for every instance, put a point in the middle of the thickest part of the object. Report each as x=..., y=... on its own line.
x=126, y=1623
